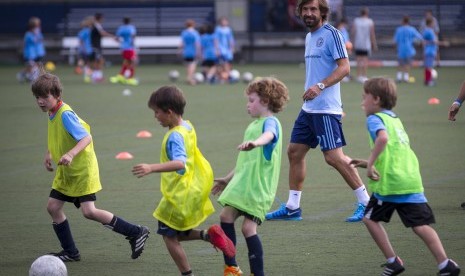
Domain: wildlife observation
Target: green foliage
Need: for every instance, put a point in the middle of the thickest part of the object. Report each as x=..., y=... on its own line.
x=321, y=244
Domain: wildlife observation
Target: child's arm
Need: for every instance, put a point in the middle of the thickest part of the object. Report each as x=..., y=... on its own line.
x=141, y=170
x=454, y=108
x=264, y=139
x=48, y=161
x=220, y=183
x=380, y=143
x=67, y=158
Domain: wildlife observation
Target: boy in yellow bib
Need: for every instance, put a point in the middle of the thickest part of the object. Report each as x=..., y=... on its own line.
x=186, y=181
x=77, y=175
x=250, y=188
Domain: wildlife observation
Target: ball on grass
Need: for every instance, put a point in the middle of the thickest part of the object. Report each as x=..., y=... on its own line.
x=173, y=75
x=247, y=77
x=50, y=66
x=48, y=265
x=434, y=74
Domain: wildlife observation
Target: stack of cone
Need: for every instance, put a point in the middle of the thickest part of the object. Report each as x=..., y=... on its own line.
x=144, y=134
x=124, y=155
x=433, y=101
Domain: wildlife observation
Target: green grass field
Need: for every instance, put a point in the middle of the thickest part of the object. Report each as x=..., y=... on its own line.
x=321, y=244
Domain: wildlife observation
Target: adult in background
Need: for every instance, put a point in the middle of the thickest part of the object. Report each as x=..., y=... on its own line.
x=319, y=121
x=96, y=58
x=363, y=34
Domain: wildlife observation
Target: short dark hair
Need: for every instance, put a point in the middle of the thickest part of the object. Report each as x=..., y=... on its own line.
x=322, y=4
x=126, y=20
x=166, y=98
x=45, y=84
x=383, y=88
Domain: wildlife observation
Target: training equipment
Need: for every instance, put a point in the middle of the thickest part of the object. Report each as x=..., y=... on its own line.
x=234, y=76
x=50, y=66
x=358, y=214
x=173, y=75
x=199, y=77
x=219, y=240
x=247, y=77
x=433, y=100
x=434, y=74
x=127, y=92
x=284, y=213
x=48, y=265
x=138, y=243
x=124, y=156
x=144, y=134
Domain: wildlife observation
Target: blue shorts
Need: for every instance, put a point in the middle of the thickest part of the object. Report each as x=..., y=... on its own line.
x=405, y=61
x=165, y=230
x=429, y=61
x=315, y=129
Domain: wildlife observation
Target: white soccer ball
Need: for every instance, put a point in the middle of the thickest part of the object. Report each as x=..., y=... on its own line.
x=434, y=74
x=234, y=76
x=247, y=77
x=127, y=92
x=199, y=77
x=173, y=75
x=48, y=265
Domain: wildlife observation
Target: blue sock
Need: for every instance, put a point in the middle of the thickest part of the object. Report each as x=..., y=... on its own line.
x=123, y=227
x=63, y=232
x=229, y=230
x=255, y=255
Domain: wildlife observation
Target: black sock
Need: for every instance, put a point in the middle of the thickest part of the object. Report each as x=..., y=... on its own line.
x=187, y=273
x=229, y=230
x=204, y=235
x=255, y=255
x=123, y=227
x=63, y=232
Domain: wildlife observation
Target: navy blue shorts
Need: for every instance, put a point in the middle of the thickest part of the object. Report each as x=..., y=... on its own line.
x=411, y=214
x=75, y=200
x=315, y=129
x=165, y=230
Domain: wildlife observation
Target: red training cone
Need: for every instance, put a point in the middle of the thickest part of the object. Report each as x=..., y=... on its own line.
x=124, y=155
x=144, y=134
x=433, y=101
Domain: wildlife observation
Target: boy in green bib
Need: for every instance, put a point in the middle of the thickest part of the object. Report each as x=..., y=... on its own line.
x=77, y=179
x=395, y=179
x=250, y=188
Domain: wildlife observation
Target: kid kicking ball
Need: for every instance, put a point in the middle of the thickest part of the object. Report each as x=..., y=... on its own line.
x=48, y=265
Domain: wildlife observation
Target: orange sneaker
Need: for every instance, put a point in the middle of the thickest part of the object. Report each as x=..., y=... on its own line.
x=219, y=240
x=232, y=271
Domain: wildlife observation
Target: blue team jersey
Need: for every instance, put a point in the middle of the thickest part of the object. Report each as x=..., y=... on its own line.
x=175, y=147
x=29, y=48
x=323, y=48
x=127, y=34
x=40, y=48
x=272, y=125
x=85, y=46
x=226, y=41
x=207, y=43
x=191, y=40
x=430, y=48
x=72, y=125
x=404, y=38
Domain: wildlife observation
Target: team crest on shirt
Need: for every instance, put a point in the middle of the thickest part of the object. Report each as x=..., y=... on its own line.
x=319, y=42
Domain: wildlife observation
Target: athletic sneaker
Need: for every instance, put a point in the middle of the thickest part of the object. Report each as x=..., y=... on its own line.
x=358, y=214
x=137, y=243
x=395, y=268
x=451, y=269
x=230, y=270
x=284, y=213
x=66, y=257
x=219, y=240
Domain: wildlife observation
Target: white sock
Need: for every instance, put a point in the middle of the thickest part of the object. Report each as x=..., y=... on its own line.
x=399, y=75
x=294, y=199
x=362, y=195
x=443, y=264
x=391, y=260
x=406, y=77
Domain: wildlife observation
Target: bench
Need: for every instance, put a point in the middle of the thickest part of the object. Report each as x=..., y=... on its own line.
x=145, y=45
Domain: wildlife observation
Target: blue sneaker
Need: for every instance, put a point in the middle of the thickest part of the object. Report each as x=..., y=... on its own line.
x=358, y=214
x=284, y=213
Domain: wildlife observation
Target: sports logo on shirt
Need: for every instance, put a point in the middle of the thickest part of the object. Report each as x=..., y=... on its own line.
x=319, y=42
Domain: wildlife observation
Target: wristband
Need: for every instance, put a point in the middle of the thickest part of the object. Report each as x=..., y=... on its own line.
x=457, y=102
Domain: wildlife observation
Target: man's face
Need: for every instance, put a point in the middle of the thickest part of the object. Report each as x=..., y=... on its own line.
x=311, y=15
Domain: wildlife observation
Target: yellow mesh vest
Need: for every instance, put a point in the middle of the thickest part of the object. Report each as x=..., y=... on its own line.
x=82, y=176
x=185, y=203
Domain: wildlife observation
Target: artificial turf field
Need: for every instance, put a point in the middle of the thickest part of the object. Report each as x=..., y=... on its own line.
x=321, y=244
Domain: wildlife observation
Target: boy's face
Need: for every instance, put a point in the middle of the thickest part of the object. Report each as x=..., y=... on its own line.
x=47, y=103
x=255, y=107
x=163, y=117
x=370, y=103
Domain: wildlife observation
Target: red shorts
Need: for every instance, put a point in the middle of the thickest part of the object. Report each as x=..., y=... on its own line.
x=129, y=54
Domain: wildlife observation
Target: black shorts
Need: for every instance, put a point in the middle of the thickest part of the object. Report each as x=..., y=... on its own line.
x=209, y=63
x=247, y=215
x=75, y=200
x=361, y=52
x=96, y=54
x=165, y=230
x=411, y=214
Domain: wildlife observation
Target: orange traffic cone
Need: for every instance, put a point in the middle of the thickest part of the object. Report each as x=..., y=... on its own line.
x=144, y=134
x=124, y=155
x=433, y=101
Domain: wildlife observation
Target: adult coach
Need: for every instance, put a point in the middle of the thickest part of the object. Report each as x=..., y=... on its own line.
x=319, y=121
x=363, y=33
x=97, y=60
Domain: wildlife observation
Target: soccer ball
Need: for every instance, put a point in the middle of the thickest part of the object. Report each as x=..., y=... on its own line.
x=234, y=76
x=434, y=74
x=50, y=66
x=199, y=77
x=247, y=77
x=48, y=265
x=173, y=75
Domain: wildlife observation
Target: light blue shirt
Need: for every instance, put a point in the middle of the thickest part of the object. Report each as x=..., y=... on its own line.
x=127, y=34
x=190, y=40
x=270, y=125
x=431, y=48
x=85, y=46
x=404, y=38
x=72, y=125
x=29, y=48
x=39, y=39
x=225, y=41
x=207, y=42
x=322, y=49
x=175, y=148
